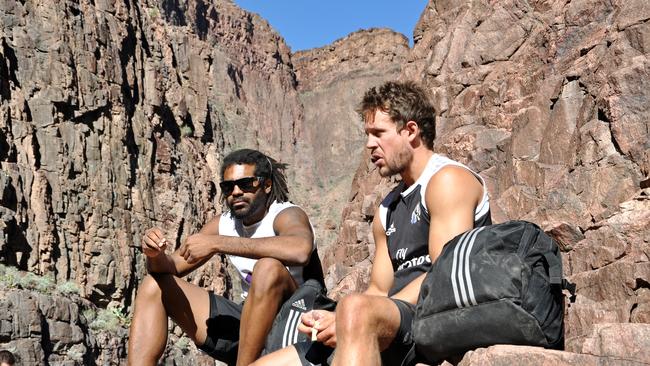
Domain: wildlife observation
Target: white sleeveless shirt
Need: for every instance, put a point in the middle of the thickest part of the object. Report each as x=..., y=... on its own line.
x=230, y=226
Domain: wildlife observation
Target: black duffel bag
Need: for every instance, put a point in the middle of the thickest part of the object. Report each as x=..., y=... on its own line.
x=498, y=284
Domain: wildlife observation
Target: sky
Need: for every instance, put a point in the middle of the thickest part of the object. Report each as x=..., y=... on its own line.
x=308, y=24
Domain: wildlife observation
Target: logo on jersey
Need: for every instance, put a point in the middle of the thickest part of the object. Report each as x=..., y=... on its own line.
x=401, y=253
x=300, y=304
x=415, y=215
x=391, y=230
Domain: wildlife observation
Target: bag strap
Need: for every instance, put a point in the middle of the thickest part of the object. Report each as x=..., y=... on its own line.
x=571, y=287
x=555, y=272
x=410, y=358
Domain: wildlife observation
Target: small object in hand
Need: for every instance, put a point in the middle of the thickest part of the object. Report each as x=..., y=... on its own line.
x=314, y=331
x=162, y=242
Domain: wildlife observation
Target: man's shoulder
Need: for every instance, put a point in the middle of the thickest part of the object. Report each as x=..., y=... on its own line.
x=277, y=207
x=453, y=176
x=454, y=183
x=284, y=211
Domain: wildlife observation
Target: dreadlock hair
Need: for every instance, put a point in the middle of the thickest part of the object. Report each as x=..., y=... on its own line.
x=403, y=101
x=265, y=167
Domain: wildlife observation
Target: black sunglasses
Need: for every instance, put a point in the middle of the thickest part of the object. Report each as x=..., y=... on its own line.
x=248, y=184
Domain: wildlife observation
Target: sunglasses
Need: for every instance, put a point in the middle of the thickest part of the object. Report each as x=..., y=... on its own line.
x=248, y=184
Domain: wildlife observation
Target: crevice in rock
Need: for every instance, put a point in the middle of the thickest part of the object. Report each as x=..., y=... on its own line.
x=133, y=151
x=46, y=342
x=208, y=131
x=641, y=283
x=634, y=306
x=236, y=77
x=645, y=183
x=36, y=148
x=175, y=67
x=28, y=112
x=201, y=19
x=168, y=121
x=6, y=152
x=586, y=50
x=173, y=12
x=89, y=117
x=617, y=147
x=66, y=110
x=127, y=53
x=179, y=234
x=602, y=115
x=8, y=69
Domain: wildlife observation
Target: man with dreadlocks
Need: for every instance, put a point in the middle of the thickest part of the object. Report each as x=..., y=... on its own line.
x=268, y=239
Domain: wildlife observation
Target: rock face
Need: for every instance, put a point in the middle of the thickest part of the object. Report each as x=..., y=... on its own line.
x=548, y=101
x=331, y=81
x=114, y=116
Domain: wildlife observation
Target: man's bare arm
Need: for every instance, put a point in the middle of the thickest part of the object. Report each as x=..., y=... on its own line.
x=381, y=275
x=292, y=244
x=451, y=198
x=174, y=263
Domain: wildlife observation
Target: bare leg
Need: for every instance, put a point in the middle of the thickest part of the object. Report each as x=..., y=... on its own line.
x=365, y=325
x=283, y=357
x=271, y=285
x=157, y=298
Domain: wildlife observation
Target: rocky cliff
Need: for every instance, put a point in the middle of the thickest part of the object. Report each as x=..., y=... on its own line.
x=114, y=116
x=548, y=101
x=331, y=81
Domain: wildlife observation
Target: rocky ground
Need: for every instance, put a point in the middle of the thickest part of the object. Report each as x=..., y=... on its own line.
x=114, y=116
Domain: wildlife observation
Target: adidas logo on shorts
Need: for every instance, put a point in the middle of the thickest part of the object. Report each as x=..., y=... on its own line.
x=300, y=304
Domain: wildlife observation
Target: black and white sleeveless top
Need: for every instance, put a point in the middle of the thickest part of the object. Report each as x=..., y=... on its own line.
x=405, y=219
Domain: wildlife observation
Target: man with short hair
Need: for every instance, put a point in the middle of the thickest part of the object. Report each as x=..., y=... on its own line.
x=268, y=239
x=436, y=200
x=7, y=358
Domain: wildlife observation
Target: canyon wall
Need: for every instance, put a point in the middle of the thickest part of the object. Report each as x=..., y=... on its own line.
x=548, y=100
x=114, y=116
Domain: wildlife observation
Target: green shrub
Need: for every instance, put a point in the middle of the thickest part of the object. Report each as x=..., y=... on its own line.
x=9, y=276
x=186, y=130
x=183, y=344
x=31, y=281
x=89, y=314
x=68, y=288
x=110, y=319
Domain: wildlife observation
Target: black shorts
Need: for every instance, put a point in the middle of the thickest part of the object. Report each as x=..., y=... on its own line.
x=222, y=338
x=403, y=341
x=315, y=353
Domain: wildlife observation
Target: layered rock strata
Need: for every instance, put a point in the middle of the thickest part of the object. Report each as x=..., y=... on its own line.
x=114, y=116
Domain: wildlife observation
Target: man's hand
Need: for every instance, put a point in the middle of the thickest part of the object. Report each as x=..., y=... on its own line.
x=196, y=248
x=153, y=242
x=326, y=327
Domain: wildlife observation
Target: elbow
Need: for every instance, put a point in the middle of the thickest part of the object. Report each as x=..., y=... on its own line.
x=302, y=259
x=303, y=256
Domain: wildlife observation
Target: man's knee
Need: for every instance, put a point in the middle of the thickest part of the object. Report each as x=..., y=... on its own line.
x=269, y=274
x=152, y=286
x=355, y=312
